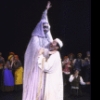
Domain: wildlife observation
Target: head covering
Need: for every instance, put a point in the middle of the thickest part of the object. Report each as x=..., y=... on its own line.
x=10, y=56
x=39, y=31
x=59, y=42
x=11, y=53
x=31, y=70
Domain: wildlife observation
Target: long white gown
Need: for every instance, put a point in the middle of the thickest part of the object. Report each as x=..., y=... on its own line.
x=31, y=78
x=54, y=79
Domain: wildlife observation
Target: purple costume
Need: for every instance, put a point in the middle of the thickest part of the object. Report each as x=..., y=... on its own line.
x=8, y=77
x=33, y=79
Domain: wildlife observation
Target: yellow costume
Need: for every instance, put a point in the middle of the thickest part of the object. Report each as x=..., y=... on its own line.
x=18, y=76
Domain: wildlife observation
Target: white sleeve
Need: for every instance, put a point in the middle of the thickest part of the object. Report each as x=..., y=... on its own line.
x=44, y=15
x=47, y=65
x=40, y=58
x=71, y=78
x=81, y=81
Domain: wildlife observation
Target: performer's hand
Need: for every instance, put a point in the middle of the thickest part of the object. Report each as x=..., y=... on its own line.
x=87, y=83
x=41, y=51
x=48, y=5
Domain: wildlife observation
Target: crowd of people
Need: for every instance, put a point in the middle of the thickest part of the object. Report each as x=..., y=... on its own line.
x=11, y=73
x=44, y=75
x=76, y=73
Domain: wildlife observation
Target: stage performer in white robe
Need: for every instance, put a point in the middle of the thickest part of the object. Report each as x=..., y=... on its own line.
x=33, y=77
x=53, y=69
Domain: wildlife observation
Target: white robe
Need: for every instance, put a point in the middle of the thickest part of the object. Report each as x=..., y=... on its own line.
x=54, y=79
x=31, y=80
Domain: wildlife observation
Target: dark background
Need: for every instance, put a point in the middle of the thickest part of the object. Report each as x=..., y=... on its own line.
x=70, y=21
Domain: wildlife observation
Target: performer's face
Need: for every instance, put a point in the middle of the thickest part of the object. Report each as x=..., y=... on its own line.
x=79, y=56
x=45, y=27
x=71, y=57
x=88, y=55
x=77, y=72
x=53, y=45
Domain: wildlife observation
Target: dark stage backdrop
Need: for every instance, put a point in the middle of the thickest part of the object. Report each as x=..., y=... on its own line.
x=70, y=21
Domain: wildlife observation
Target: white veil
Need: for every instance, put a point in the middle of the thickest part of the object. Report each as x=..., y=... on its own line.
x=31, y=70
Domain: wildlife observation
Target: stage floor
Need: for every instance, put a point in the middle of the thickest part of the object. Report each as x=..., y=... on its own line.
x=18, y=96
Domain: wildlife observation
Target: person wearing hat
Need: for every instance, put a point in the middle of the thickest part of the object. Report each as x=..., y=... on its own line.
x=52, y=67
x=11, y=53
x=8, y=78
x=76, y=80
